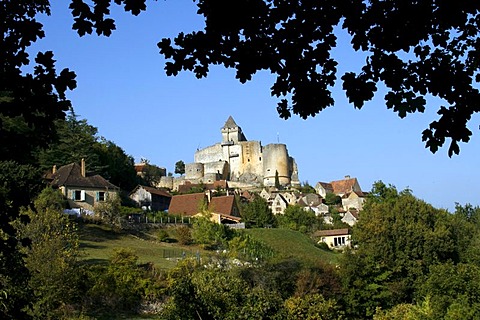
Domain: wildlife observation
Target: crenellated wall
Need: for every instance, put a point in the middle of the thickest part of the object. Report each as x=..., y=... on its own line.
x=238, y=160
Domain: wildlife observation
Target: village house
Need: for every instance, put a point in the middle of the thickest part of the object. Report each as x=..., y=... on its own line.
x=223, y=209
x=149, y=198
x=353, y=199
x=279, y=204
x=350, y=217
x=83, y=191
x=335, y=239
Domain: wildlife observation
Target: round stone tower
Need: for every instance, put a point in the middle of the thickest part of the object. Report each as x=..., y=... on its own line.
x=275, y=159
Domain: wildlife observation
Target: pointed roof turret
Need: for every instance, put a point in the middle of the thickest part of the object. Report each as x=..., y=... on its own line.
x=230, y=123
x=231, y=132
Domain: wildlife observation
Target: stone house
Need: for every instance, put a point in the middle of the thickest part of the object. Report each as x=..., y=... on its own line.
x=350, y=217
x=335, y=239
x=149, y=198
x=82, y=190
x=353, y=199
x=322, y=188
x=279, y=204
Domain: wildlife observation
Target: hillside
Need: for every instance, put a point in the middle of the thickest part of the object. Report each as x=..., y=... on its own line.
x=98, y=243
x=293, y=244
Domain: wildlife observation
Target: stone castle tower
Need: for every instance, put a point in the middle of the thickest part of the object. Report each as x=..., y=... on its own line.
x=238, y=160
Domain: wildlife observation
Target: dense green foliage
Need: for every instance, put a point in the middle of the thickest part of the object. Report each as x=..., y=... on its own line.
x=180, y=167
x=52, y=256
x=296, y=218
x=257, y=214
x=76, y=140
x=402, y=243
x=410, y=260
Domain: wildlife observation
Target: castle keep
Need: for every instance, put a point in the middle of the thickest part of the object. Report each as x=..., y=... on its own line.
x=246, y=162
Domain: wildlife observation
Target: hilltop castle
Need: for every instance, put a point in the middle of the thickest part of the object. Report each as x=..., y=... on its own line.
x=242, y=162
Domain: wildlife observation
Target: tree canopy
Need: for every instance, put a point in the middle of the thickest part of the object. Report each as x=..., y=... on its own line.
x=414, y=49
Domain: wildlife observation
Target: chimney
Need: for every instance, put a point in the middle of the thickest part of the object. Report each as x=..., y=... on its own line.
x=347, y=177
x=54, y=169
x=83, y=167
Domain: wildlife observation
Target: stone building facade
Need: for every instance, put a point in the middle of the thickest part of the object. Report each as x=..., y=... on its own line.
x=239, y=160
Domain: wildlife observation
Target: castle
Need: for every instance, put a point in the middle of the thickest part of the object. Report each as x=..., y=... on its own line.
x=243, y=163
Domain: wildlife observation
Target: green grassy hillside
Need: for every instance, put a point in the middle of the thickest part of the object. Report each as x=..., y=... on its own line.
x=98, y=243
x=293, y=244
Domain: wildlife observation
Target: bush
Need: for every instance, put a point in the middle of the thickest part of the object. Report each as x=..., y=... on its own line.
x=322, y=245
x=163, y=235
x=184, y=235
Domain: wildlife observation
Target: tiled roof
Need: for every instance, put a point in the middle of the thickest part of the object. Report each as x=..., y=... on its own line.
x=334, y=232
x=152, y=190
x=70, y=175
x=223, y=205
x=343, y=186
x=186, y=204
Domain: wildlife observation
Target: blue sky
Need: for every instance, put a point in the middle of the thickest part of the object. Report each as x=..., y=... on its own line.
x=124, y=92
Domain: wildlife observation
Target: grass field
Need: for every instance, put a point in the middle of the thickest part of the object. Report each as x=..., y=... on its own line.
x=99, y=242
x=293, y=244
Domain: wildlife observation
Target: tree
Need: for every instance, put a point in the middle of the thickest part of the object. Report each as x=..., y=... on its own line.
x=78, y=139
x=116, y=165
x=210, y=234
x=180, y=167
x=410, y=54
x=413, y=49
x=312, y=306
x=332, y=199
x=52, y=256
x=29, y=104
x=151, y=174
x=277, y=181
x=109, y=211
x=399, y=239
x=257, y=214
x=296, y=218
x=307, y=188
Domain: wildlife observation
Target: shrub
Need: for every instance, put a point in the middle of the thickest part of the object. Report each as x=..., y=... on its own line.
x=163, y=235
x=184, y=235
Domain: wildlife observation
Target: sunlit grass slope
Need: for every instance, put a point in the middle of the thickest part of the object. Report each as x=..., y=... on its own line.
x=99, y=242
x=293, y=244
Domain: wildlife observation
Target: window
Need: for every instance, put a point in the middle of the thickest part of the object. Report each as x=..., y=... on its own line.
x=339, y=241
x=101, y=196
x=78, y=195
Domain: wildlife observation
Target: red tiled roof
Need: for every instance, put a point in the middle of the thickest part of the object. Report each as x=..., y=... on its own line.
x=223, y=205
x=186, y=204
x=343, y=186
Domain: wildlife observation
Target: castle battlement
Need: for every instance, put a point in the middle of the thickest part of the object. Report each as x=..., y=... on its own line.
x=239, y=160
